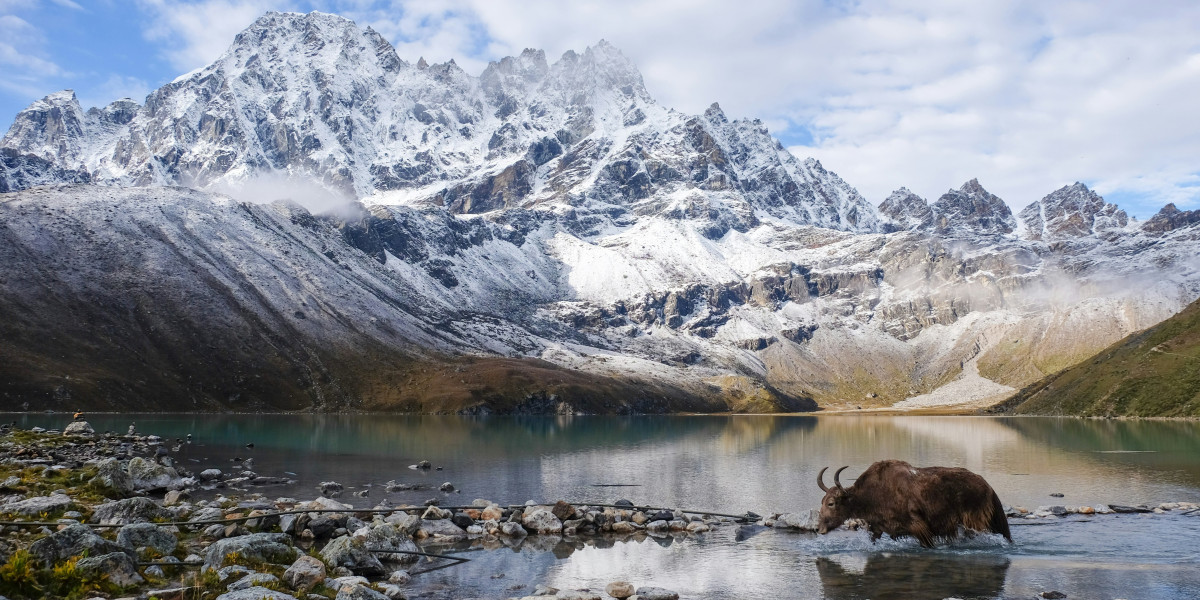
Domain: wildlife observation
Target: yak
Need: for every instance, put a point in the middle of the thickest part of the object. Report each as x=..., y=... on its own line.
x=895, y=498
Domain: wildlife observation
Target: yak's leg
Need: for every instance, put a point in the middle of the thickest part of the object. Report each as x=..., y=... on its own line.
x=920, y=530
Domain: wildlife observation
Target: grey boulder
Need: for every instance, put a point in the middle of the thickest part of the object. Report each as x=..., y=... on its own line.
x=265, y=547
x=256, y=593
x=37, y=505
x=115, y=567
x=305, y=573
x=130, y=510
x=359, y=592
x=73, y=540
x=137, y=535
x=252, y=580
x=351, y=552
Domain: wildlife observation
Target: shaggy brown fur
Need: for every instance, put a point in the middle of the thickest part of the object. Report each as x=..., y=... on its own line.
x=895, y=498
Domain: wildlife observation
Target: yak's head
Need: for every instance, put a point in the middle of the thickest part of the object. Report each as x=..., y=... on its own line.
x=834, y=506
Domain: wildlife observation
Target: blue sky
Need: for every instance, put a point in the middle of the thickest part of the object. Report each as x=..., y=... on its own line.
x=927, y=94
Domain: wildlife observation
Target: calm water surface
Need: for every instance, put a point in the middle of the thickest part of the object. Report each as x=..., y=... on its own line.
x=759, y=463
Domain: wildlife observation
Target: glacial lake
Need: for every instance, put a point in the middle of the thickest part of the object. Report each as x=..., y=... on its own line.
x=734, y=464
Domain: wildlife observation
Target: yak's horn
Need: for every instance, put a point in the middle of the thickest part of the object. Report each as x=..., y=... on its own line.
x=837, y=473
x=821, y=480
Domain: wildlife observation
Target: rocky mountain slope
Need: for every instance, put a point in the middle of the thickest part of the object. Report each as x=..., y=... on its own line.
x=1152, y=373
x=541, y=237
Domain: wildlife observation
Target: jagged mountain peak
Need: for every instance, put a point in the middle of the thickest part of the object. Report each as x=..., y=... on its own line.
x=907, y=210
x=1170, y=218
x=971, y=209
x=312, y=97
x=1069, y=212
x=49, y=128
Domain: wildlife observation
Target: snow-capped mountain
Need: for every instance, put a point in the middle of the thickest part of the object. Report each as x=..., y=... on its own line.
x=542, y=233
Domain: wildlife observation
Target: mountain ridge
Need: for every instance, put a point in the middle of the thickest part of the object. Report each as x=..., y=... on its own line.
x=545, y=220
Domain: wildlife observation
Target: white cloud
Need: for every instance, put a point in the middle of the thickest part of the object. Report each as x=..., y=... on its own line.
x=196, y=33
x=22, y=58
x=1027, y=96
x=115, y=87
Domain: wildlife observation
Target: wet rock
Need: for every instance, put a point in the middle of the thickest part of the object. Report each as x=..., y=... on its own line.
x=256, y=593
x=1056, y=495
x=446, y=487
x=74, y=540
x=1086, y=510
x=393, y=592
x=658, y=526
x=1117, y=508
x=563, y=511
x=492, y=512
x=541, y=521
x=114, y=567
x=619, y=589
x=423, y=465
x=81, y=428
x=514, y=530
x=305, y=573
x=442, y=528
x=577, y=595
x=399, y=577
x=351, y=552
x=37, y=505
x=266, y=547
x=623, y=503
x=802, y=521
x=210, y=474
x=137, y=535
x=112, y=479
x=434, y=513
x=409, y=523
x=462, y=520
x=252, y=580
x=1052, y=595
x=698, y=527
x=389, y=536
x=654, y=593
x=329, y=489
x=624, y=527
x=359, y=592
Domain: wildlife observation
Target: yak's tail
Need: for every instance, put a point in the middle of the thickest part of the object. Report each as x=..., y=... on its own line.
x=999, y=522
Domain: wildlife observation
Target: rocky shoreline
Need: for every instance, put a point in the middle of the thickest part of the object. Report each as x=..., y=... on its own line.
x=107, y=515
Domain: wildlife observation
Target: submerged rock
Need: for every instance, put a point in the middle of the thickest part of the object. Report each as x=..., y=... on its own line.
x=654, y=593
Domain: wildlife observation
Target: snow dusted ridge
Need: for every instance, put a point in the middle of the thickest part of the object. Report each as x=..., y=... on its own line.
x=543, y=228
